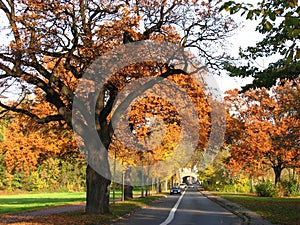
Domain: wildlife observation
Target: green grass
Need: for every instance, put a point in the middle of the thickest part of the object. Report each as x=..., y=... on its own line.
x=284, y=211
x=26, y=202
x=118, y=193
x=12, y=203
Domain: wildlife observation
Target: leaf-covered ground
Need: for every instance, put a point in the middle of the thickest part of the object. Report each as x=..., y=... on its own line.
x=77, y=217
x=284, y=211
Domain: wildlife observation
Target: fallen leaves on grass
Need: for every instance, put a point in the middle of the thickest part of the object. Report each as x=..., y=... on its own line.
x=79, y=217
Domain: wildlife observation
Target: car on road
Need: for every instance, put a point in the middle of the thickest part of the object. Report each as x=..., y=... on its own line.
x=191, y=186
x=175, y=190
x=183, y=186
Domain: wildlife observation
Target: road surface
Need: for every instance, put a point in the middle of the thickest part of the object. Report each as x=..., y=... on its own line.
x=191, y=208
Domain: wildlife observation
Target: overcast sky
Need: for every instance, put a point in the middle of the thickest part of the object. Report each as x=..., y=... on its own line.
x=246, y=36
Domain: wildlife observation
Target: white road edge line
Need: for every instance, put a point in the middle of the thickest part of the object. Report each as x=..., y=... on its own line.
x=172, y=212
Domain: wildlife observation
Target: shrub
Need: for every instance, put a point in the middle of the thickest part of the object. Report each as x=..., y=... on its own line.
x=49, y=172
x=229, y=188
x=14, y=181
x=287, y=188
x=3, y=172
x=32, y=182
x=53, y=174
x=243, y=188
x=72, y=176
x=265, y=189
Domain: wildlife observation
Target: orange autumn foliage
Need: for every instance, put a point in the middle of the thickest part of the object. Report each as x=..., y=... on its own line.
x=157, y=125
x=27, y=144
x=268, y=129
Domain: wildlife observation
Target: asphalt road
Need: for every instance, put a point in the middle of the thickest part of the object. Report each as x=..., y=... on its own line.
x=191, y=208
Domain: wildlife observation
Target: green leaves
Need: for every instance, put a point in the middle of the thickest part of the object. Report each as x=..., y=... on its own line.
x=233, y=7
x=268, y=26
x=279, y=21
x=226, y=6
x=250, y=15
x=272, y=16
x=292, y=21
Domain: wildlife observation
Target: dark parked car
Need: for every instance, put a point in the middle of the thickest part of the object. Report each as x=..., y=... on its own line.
x=175, y=190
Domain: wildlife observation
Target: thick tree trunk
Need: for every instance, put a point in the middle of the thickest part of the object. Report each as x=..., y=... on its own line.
x=97, y=195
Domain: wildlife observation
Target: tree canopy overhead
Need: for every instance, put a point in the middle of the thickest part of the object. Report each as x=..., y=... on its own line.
x=48, y=38
x=279, y=21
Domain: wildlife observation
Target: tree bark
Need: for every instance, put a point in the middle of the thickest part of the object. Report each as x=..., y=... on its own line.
x=277, y=171
x=128, y=189
x=97, y=194
x=158, y=186
x=128, y=194
x=252, y=185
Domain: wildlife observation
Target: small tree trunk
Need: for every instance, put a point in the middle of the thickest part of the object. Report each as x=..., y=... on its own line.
x=128, y=194
x=277, y=171
x=97, y=194
x=128, y=189
x=166, y=185
x=252, y=185
x=158, y=188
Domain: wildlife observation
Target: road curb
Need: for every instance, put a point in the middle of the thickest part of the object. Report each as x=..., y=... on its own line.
x=248, y=217
x=227, y=205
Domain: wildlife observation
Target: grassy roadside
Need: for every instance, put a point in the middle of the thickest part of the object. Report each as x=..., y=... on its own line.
x=22, y=202
x=14, y=203
x=284, y=211
x=118, y=209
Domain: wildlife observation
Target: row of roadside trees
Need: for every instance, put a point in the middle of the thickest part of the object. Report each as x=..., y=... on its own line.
x=261, y=140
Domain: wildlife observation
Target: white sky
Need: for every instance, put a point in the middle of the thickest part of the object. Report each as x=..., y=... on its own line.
x=244, y=37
